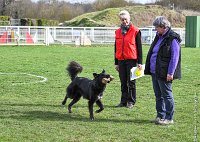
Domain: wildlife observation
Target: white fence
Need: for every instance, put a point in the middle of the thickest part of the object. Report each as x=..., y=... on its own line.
x=30, y=35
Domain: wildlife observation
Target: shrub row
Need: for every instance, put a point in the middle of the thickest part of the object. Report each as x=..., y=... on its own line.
x=38, y=22
x=29, y=22
x=4, y=20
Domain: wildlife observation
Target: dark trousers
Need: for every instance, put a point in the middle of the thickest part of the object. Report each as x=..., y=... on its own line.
x=128, y=87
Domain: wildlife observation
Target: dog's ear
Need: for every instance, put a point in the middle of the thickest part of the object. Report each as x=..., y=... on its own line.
x=103, y=71
x=95, y=75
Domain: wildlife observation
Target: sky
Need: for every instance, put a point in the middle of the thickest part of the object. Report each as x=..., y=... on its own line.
x=88, y=1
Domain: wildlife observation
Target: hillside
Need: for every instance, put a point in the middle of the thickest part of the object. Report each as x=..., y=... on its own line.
x=141, y=16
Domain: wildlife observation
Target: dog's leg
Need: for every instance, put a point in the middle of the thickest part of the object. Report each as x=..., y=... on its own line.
x=65, y=100
x=99, y=103
x=75, y=100
x=90, y=106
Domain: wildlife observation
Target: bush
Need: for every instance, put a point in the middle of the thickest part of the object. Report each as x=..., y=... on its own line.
x=26, y=22
x=4, y=20
x=44, y=22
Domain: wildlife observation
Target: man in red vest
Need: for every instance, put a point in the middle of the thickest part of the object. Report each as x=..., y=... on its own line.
x=128, y=54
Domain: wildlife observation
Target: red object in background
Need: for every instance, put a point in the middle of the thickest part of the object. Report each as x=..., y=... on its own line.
x=3, y=38
x=29, y=39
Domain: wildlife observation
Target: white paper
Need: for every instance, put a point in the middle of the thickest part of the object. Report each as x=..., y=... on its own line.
x=134, y=71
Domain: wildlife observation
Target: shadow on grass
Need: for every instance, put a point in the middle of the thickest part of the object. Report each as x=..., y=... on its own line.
x=57, y=116
x=54, y=116
x=32, y=105
x=52, y=105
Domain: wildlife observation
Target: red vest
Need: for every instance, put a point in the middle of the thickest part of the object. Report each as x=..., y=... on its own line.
x=126, y=44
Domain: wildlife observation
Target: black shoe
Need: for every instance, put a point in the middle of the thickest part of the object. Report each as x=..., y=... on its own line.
x=121, y=105
x=129, y=105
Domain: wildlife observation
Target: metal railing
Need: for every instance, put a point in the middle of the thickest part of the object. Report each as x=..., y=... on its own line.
x=33, y=35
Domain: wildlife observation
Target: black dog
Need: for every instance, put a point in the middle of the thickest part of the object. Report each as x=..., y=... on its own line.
x=91, y=90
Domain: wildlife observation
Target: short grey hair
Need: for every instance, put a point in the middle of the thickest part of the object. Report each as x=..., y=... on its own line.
x=124, y=14
x=161, y=21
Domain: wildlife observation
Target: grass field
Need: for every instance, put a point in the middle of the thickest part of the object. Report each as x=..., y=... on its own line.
x=30, y=110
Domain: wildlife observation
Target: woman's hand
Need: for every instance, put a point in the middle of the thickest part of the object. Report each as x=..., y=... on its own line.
x=170, y=77
x=139, y=66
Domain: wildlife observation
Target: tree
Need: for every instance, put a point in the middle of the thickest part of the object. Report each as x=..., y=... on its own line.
x=102, y=4
x=180, y=4
x=4, y=4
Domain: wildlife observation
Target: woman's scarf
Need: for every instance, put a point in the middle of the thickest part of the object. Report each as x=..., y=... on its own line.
x=125, y=28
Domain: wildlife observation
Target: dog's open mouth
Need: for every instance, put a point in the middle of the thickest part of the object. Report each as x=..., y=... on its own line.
x=107, y=80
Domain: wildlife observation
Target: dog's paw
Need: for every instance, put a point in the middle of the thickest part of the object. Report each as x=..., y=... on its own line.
x=99, y=110
x=69, y=110
x=63, y=102
x=92, y=119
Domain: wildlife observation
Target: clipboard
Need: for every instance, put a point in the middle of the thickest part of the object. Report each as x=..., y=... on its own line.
x=135, y=73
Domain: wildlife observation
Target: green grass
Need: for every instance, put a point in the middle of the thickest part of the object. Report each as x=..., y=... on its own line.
x=33, y=112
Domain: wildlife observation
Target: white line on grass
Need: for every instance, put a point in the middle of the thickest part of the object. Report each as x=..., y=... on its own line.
x=195, y=117
x=44, y=79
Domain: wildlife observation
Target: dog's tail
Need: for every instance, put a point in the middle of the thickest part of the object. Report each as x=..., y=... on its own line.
x=73, y=69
